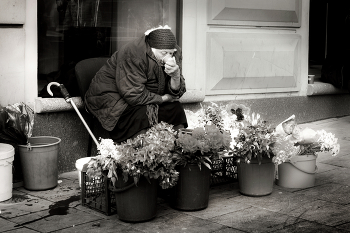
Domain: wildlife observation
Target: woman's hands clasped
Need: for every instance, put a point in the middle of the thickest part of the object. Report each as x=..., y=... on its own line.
x=169, y=98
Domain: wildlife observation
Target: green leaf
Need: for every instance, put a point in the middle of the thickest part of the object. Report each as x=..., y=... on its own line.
x=207, y=165
x=136, y=180
x=249, y=156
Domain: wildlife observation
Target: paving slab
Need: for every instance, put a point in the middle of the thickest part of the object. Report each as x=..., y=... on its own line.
x=278, y=201
x=219, y=206
x=228, y=230
x=45, y=221
x=330, y=192
x=22, y=204
x=344, y=147
x=7, y=225
x=178, y=222
x=255, y=219
x=345, y=227
x=21, y=230
x=309, y=227
x=339, y=176
x=323, y=212
x=104, y=225
x=323, y=167
x=63, y=191
x=339, y=161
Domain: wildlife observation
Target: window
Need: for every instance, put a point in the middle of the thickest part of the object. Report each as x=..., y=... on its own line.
x=73, y=30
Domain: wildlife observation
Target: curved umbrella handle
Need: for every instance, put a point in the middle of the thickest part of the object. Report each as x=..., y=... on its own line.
x=48, y=88
x=62, y=88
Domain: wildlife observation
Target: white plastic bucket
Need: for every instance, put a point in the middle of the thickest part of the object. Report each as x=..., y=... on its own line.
x=7, y=153
x=79, y=164
x=298, y=173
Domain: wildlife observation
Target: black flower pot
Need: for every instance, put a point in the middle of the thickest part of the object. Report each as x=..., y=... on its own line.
x=192, y=190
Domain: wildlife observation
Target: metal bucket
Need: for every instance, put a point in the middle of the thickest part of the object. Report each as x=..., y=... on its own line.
x=39, y=162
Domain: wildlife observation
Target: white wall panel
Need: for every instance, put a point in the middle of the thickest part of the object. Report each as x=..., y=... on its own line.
x=252, y=63
x=12, y=11
x=11, y=65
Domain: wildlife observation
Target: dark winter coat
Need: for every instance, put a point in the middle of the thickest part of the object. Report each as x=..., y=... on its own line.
x=132, y=76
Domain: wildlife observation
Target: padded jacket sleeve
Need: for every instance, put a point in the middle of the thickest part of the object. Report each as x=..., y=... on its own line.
x=131, y=82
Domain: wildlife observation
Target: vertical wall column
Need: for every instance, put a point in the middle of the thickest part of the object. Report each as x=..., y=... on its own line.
x=31, y=52
x=12, y=39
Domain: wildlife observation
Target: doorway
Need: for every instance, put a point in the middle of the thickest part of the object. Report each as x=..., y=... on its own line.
x=329, y=33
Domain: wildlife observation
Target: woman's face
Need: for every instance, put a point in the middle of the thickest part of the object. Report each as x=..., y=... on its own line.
x=162, y=54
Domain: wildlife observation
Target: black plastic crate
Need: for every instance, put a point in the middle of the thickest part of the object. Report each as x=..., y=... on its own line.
x=223, y=170
x=95, y=194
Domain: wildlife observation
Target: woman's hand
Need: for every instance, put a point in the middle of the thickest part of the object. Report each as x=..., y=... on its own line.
x=171, y=68
x=169, y=98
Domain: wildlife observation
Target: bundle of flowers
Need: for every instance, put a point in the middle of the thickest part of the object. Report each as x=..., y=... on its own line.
x=292, y=140
x=201, y=145
x=149, y=155
x=251, y=136
x=16, y=124
x=224, y=117
x=254, y=139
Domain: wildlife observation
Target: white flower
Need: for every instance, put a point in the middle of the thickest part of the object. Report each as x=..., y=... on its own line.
x=328, y=142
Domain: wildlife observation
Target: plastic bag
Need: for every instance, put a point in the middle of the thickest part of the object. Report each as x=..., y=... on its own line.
x=16, y=124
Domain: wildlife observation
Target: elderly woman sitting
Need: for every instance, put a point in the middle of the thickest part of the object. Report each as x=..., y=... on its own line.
x=139, y=86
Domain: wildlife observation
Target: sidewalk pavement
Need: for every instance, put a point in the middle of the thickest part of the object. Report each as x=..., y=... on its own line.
x=322, y=208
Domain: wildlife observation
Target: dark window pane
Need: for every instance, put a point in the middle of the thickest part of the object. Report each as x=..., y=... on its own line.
x=73, y=30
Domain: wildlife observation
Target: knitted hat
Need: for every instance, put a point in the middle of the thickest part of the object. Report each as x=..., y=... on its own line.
x=161, y=38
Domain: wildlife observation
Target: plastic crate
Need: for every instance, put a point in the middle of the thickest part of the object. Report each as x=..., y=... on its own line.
x=223, y=170
x=95, y=194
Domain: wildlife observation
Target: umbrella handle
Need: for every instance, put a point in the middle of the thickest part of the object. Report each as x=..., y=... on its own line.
x=63, y=90
x=68, y=99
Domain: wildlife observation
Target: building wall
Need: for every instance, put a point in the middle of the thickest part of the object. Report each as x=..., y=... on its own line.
x=204, y=65
x=18, y=51
x=12, y=47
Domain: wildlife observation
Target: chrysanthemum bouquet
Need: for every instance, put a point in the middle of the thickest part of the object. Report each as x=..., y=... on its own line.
x=292, y=140
x=253, y=139
x=248, y=135
x=201, y=145
x=207, y=139
x=149, y=155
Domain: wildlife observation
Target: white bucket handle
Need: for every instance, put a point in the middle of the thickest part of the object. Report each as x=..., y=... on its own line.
x=316, y=169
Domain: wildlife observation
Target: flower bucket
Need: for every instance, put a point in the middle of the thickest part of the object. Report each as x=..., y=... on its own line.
x=255, y=179
x=7, y=153
x=39, y=162
x=298, y=173
x=136, y=203
x=192, y=190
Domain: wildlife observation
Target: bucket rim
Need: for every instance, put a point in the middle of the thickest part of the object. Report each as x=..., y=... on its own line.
x=37, y=146
x=10, y=152
x=301, y=158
